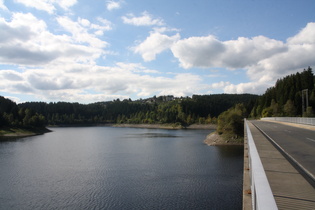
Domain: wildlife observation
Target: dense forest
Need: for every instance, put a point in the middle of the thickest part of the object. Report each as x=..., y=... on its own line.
x=285, y=98
x=162, y=110
x=14, y=116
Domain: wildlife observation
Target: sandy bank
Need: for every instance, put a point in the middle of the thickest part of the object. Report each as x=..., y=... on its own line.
x=214, y=139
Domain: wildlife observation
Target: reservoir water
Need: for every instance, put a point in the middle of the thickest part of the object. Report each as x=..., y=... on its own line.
x=119, y=168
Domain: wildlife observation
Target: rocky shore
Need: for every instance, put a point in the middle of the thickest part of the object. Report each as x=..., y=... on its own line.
x=214, y=139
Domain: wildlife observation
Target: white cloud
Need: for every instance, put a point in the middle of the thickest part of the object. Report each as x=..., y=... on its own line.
x=220, y=85
x=265, y=60
x=105, y=25
x=305, y=36
x=155, y=44
x=198, y=52
x=207, y=52
x=250, y=87
x=10, y=75
x=299, y=55
x=80, y=31
x=66, y=4
x=165, y=29
x=2, y=6
x=63, y=66
x=47, y=5
x=111, y=5
x=73, y=82
x=144, y=20
x=84, y=22
x=44, y=5
x=245, y=52
x=25, y=40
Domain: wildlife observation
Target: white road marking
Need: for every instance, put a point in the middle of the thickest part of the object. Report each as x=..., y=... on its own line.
x=311, y=139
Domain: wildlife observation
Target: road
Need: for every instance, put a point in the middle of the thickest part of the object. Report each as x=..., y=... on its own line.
x=297, y=142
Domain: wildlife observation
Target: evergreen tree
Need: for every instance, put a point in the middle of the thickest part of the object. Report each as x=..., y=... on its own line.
x=285, y=98
x=289, y=109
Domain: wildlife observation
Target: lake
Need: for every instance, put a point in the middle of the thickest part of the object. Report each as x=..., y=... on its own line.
x=119, y=168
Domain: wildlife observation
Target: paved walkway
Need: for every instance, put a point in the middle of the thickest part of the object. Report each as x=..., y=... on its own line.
x=290, y=189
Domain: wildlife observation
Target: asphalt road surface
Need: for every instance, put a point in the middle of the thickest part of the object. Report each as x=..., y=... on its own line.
x=297, y=142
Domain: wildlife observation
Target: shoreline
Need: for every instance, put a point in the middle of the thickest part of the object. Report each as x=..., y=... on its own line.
x=214, y=139
x=167, y=126
x=7, y=132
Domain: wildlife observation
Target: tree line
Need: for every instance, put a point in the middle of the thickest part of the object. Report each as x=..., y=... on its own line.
x=285, y=98
x=12, y=115
x=183, y=111
x=162, y=110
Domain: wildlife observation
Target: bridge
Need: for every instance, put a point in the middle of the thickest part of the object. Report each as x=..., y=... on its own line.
x=279, y=164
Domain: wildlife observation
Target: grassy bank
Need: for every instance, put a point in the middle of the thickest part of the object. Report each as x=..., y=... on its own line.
x=21, y=132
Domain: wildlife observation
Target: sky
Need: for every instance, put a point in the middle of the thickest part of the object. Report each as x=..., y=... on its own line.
x=88, y=51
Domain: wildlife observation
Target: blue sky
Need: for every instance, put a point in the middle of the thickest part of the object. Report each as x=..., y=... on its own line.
x=87, y=51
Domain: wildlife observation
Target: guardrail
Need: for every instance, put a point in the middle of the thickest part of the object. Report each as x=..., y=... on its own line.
x=298, y=120
x=262, y=197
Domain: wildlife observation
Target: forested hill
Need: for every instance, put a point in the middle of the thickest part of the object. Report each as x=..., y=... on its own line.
x=285, y=98
x=12, y=115
x=162, y=109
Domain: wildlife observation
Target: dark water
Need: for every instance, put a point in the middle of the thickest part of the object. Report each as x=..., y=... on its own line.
x=119, y=168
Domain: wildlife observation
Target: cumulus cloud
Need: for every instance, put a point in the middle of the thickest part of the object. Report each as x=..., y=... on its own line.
x=207, y=52
x=264, y=59
x=299, y=55
x=111, y=5
x=250, y=87
x=245, y=52
x=74, y=82
x=220, y=85
x=80, y=31
x=63, y=66
x=44, y=5
x=26, y=40
x=47, y=5
x=155, y=44
x=198, y=51
x=66, y=4
x=305, y=36
x=2, y=6
x=10, y=75
x=145, y=20
x=85, y=25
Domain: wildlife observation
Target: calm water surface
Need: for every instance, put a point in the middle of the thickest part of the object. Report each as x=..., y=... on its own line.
x=119, y=168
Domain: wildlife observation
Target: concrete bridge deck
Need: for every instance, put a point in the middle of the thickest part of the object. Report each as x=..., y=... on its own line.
x=289, y=188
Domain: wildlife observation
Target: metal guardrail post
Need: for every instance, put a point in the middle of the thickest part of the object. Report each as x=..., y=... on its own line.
x=262, y=197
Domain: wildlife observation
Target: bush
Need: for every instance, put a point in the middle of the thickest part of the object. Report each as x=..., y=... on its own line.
x=231, y=122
